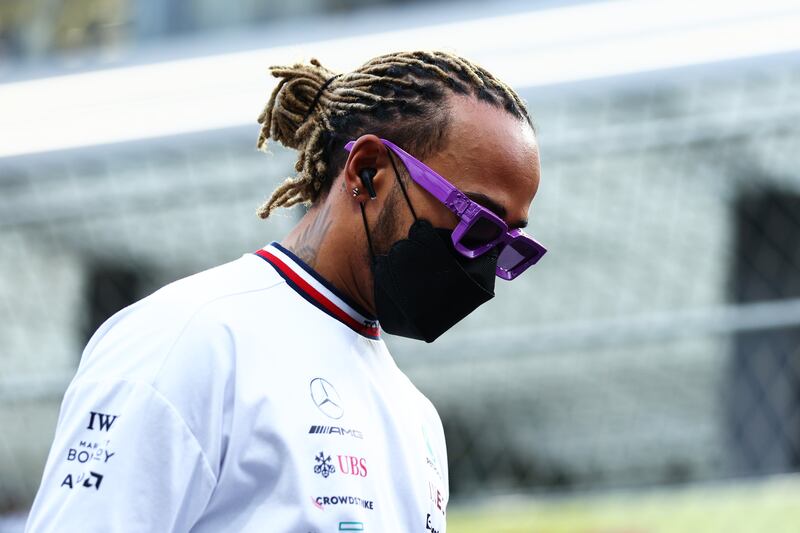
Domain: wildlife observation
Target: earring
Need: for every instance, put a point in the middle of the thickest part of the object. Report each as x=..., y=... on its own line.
x=355, y=192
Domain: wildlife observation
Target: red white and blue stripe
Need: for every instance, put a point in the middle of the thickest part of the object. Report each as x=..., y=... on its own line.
x=317, y=291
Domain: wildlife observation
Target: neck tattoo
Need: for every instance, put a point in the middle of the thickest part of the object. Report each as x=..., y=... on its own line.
x=307, y=243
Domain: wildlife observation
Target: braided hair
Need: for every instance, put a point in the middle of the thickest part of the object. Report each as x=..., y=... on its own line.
x=399, y=96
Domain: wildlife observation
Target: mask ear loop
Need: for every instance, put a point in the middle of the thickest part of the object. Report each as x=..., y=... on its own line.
x=366, y=229
x=402, y=187
x=405, y=195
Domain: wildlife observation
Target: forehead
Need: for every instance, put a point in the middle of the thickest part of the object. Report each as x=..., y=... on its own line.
x=489, y=151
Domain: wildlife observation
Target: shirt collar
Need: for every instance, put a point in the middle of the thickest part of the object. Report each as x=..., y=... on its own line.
x=318, y=291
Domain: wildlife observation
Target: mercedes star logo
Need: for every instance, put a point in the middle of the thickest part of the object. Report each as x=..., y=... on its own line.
x=326, y=398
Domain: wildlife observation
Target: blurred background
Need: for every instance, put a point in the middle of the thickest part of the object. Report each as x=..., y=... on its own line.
x=645, y=376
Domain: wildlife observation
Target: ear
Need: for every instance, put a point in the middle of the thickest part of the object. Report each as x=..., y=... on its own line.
x=368, y=154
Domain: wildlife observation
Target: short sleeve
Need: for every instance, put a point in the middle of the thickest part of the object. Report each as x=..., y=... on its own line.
x=123, y=459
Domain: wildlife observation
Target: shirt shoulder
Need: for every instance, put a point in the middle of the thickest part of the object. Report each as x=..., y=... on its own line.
x=179, y=341
x=117, y=441
x=136, y=340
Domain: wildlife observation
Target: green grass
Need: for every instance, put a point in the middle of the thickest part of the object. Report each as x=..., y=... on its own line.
x=771, y=506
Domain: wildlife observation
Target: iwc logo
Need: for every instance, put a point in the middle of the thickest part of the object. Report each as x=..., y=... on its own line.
x=326, y=398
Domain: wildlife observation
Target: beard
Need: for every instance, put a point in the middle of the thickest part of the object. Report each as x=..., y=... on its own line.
x=387, y=226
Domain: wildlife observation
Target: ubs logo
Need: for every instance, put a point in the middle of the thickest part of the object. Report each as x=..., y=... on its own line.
x=355, y=466
x=323, y=466
x=326, y=398
x=348, y=465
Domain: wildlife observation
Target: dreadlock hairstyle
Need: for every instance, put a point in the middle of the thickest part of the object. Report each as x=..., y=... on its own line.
x=399, y=96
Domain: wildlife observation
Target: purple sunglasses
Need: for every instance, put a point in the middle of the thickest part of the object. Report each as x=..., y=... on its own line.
x=479, y=230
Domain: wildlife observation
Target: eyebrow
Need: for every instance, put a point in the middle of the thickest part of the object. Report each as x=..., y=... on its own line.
x=494, y=207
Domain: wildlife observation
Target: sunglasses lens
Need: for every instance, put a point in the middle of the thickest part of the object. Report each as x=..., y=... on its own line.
x=516, y=253
x=482, y=231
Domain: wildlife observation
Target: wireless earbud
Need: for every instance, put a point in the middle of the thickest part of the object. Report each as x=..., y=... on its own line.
x=366, y=176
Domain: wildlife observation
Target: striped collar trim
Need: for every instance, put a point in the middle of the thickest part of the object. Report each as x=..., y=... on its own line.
x=317, y=291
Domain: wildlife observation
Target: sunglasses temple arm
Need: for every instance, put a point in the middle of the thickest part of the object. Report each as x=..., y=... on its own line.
x=441, y=189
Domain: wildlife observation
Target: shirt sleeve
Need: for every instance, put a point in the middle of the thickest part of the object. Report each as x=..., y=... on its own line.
x=123, y=459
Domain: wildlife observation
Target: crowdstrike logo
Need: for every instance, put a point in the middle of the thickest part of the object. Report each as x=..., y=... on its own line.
x=323, y=501
x=325, y=397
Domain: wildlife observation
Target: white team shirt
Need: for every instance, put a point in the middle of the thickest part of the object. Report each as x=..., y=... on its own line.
x=250, y=397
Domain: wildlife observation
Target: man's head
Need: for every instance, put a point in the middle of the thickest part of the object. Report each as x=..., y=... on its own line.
x=488, y=154
x=447, y=112
x=407, y=97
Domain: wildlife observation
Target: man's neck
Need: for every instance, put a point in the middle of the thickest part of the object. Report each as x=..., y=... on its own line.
x=316, y=241
x=306, y=239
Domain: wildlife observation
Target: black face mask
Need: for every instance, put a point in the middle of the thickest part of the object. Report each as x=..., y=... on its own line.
x=423, y=286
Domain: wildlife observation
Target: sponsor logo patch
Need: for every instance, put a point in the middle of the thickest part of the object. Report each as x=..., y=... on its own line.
x=320, y=502
x=437, y=499
x=101, y=421
x=428, y=526
x=336, y=430
x=83, y=456
x=351, y=526
x=348, y=465
x=326, y=398
x=355, y=466
x=324, y=466
x=87, y=450
x=90, y=480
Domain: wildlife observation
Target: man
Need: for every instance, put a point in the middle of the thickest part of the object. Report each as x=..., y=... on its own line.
x=259, y=395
